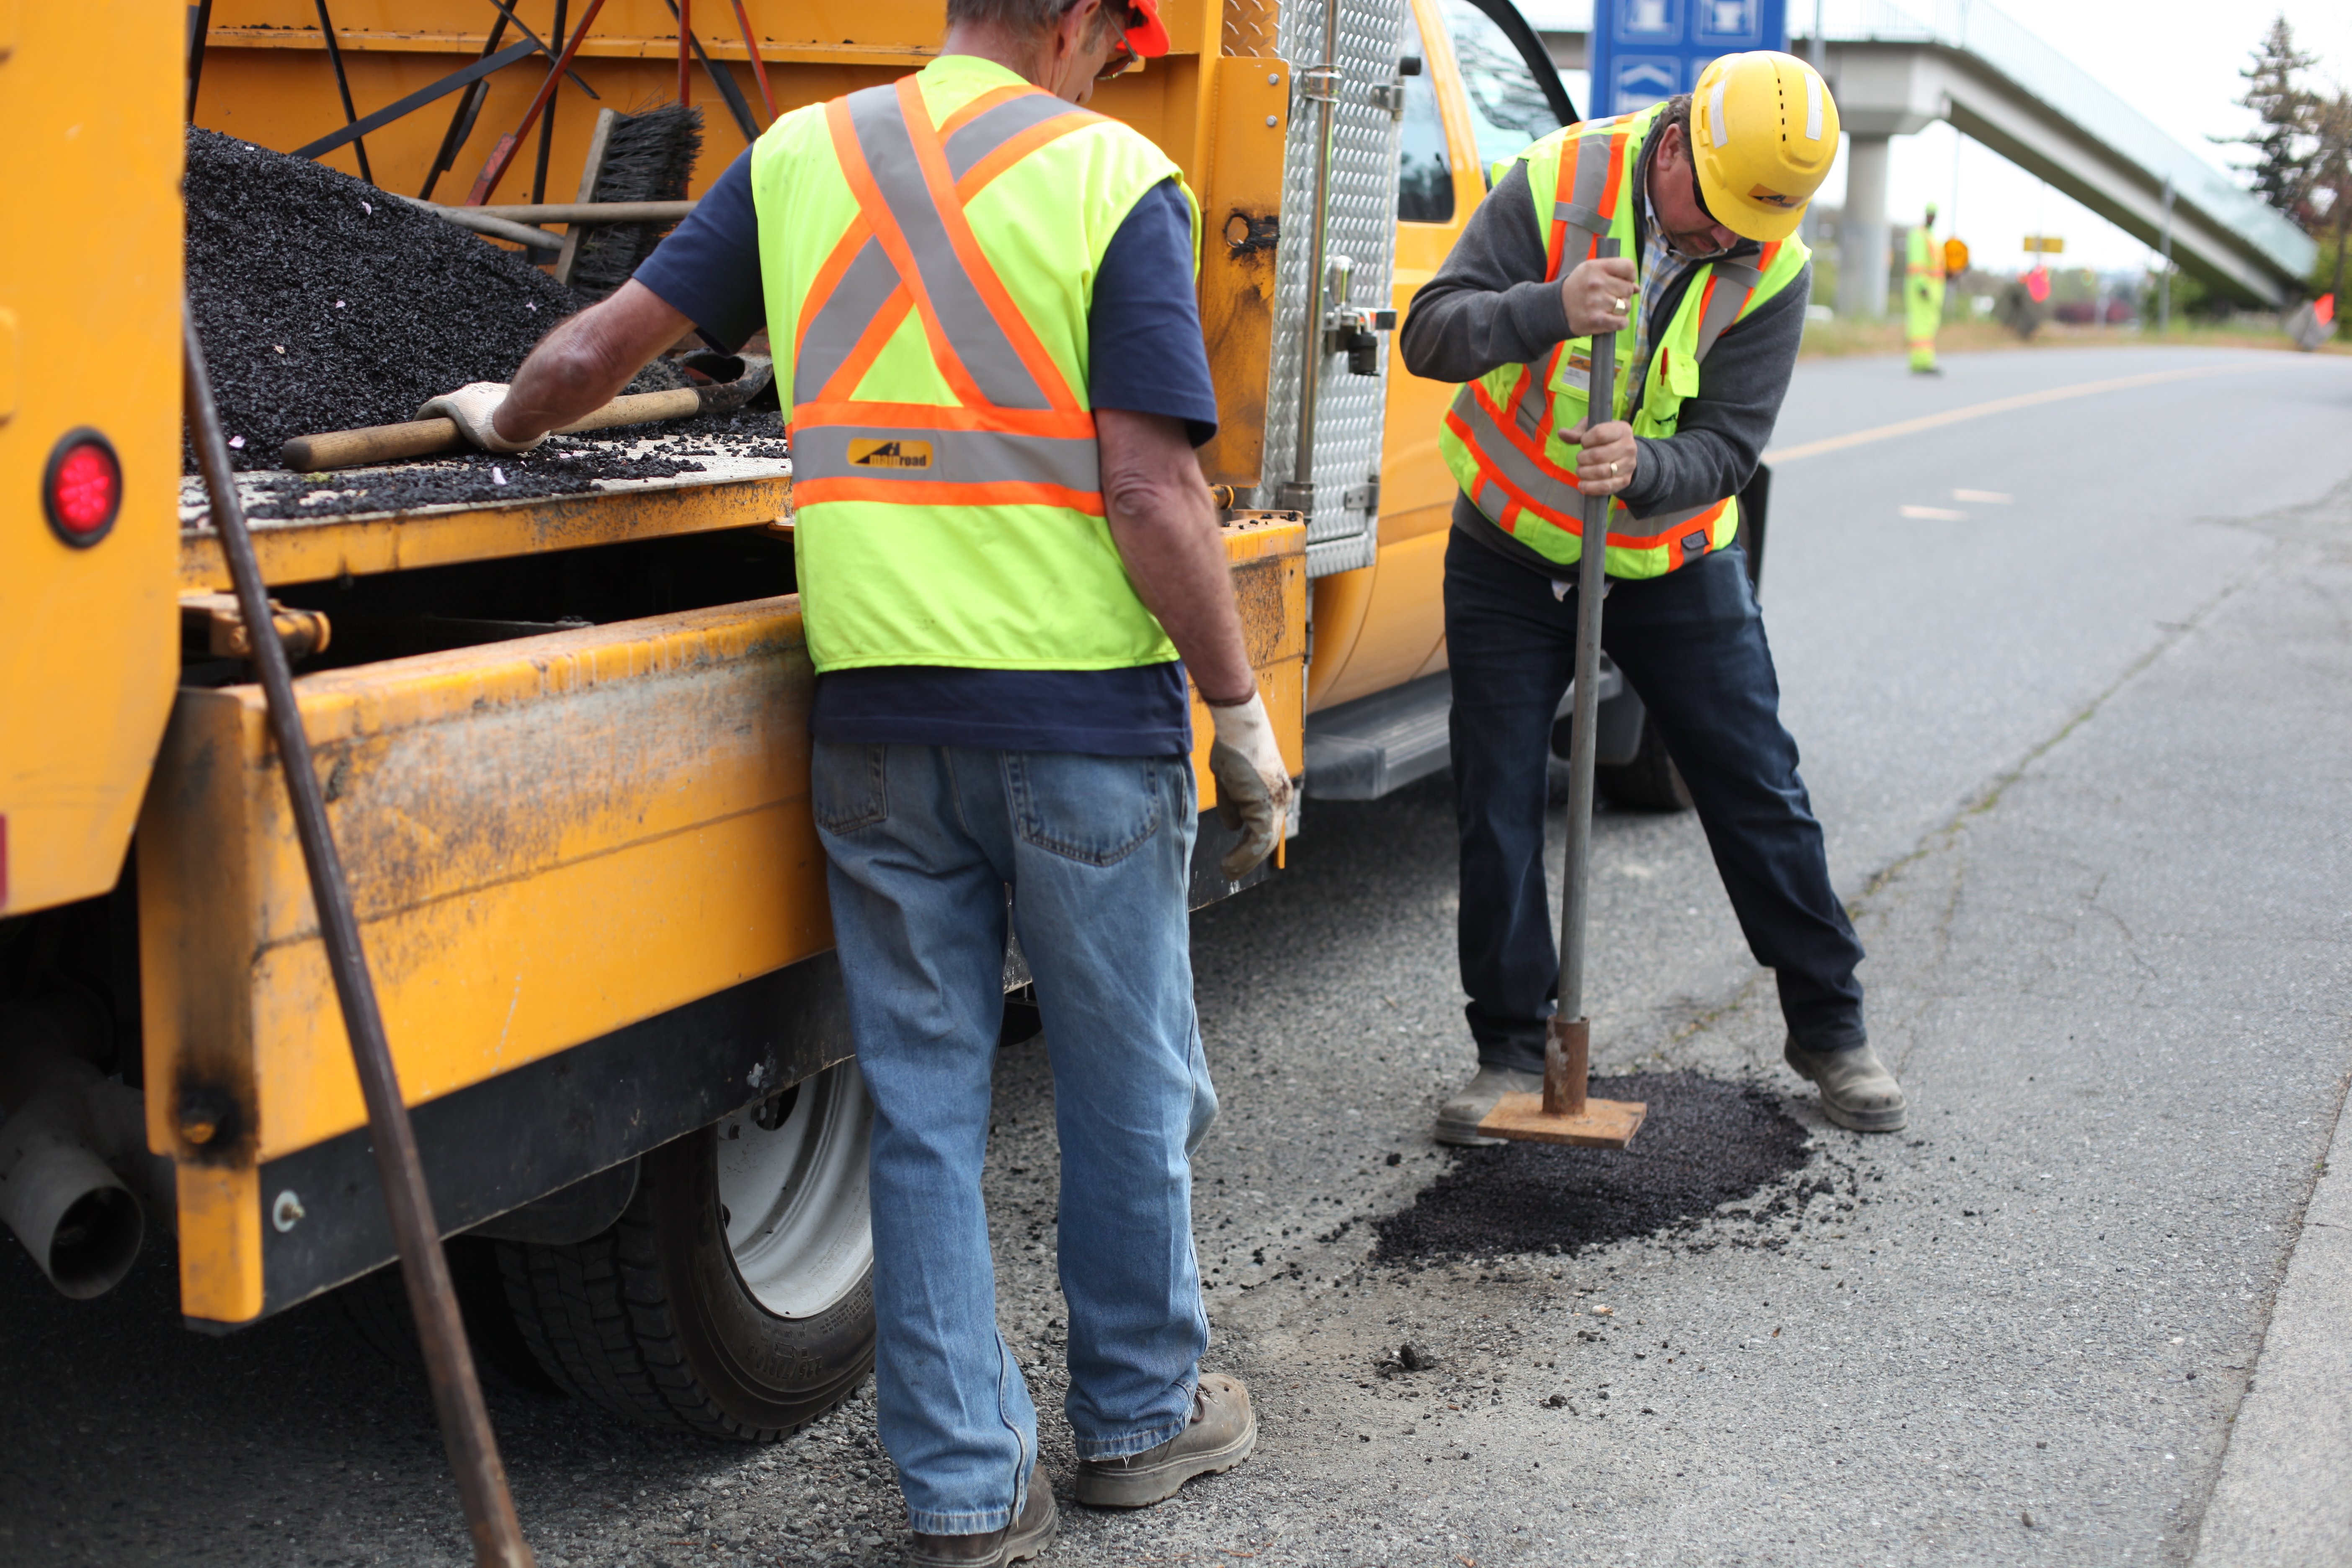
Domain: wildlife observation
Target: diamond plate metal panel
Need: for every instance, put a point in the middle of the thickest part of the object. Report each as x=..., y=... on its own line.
x=1340, y=537
x=1249, y=28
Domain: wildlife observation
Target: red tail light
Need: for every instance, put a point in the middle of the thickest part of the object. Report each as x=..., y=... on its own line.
x=81, y=490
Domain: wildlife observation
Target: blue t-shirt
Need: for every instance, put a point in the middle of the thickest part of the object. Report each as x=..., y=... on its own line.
x=1145, y=355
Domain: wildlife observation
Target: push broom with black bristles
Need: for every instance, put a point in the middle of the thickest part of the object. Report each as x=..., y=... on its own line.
x=644, y=157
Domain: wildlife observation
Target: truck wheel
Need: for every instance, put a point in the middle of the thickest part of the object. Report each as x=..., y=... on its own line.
x=735, y=1296
x=1650, y=781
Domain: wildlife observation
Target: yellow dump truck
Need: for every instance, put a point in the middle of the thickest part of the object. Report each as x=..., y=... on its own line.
x=579, y=842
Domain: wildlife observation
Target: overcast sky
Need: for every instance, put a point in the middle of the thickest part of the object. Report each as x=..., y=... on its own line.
x=2174, y=60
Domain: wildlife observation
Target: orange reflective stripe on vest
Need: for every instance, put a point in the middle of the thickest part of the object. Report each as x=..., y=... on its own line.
x=1017, y=433
x=1598, y=181
x=1509, y=440
x=1512, y=480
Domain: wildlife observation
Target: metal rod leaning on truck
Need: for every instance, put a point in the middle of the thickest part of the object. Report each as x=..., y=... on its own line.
x=432, y=1296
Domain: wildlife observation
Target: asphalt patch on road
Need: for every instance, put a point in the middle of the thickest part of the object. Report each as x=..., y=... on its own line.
x=1707, y=1142
x=324, y=303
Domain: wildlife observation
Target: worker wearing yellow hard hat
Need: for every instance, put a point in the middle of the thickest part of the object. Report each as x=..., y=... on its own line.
x=1764, y=131
x=1702, y=195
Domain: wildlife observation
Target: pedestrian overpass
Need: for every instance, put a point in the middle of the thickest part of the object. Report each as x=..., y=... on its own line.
x=1897, y=69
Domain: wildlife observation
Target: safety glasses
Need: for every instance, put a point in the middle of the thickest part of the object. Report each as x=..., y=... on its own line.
x=1123, y=56
x=1698, y=196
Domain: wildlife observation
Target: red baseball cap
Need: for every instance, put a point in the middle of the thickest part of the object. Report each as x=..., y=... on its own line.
x=1148, y=38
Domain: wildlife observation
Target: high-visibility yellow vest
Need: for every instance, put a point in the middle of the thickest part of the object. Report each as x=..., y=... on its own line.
x=1503, y=435
x=1923, y=258
x=928, y=251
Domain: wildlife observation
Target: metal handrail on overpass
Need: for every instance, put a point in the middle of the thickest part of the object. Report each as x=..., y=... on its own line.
x=1897, y=67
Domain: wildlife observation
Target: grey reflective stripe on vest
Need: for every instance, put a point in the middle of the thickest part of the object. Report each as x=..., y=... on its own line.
x=1510, y=461
x=1580, y=212
x=1581, y=209
x=856, y=300
x=1735, y=282
x=946, y=457
x=984, y=134
x=1534, y=401
x=1577, y=215
x=872, y=278
x=963, y=316
x=1551, y=494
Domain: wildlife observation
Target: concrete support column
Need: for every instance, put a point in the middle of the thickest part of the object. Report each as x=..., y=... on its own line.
x=1862, y=231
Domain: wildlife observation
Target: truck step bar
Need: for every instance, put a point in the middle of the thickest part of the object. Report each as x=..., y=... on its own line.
x=1365, y=749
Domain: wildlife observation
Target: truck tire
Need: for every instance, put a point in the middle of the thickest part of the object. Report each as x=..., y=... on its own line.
x=1650, y=781
x=735, y=1296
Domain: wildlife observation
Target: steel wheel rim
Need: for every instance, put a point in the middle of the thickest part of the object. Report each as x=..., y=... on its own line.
x=795, y=1200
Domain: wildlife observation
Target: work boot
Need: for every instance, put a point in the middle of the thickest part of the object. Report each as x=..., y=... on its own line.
x=1023, y=1538
x=1458, y=1118
x=1222, y=1431
x=1857, y=1092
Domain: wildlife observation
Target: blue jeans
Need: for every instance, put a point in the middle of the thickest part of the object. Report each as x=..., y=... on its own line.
x=1692, y=645
x=922, y=842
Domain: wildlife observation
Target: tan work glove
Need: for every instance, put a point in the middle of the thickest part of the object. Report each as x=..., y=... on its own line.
x=471, y=406
x=1252, y=783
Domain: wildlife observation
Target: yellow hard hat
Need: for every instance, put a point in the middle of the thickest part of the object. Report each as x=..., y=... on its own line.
x=1764, y=132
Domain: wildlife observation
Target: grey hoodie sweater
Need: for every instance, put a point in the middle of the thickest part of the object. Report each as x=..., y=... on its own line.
x=1489, y=305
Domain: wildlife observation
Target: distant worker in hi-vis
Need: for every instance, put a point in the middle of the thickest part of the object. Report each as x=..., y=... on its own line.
x=1922, y=295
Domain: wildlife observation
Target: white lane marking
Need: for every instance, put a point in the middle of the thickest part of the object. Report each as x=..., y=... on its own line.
x=1990, y=497
x=1934, y=514
x=2001, y=406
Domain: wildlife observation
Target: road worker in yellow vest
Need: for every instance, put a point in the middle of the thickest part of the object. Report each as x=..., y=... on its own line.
x=1922, y=295
x=979, y=296
x=1705, y=300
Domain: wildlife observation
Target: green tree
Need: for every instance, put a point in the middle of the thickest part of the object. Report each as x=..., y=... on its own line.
x=2284, y=143
x=2331, y=176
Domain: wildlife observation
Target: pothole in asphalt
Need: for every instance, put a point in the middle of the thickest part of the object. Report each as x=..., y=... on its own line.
x=1706, y=1142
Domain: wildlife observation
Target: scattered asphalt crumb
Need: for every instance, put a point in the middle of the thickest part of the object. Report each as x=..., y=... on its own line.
x=564, y=465
x=1706, y=1142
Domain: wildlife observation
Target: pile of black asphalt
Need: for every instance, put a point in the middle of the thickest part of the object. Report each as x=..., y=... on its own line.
x=323, y=303
x=1706, y=1142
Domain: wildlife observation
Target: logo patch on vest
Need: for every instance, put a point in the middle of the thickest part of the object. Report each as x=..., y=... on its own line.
x=1694, y=544
x=890, y=454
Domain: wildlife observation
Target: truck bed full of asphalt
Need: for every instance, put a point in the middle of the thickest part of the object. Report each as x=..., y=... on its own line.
x=324, y=303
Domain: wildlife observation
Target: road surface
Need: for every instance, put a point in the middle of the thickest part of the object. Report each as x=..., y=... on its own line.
x=2069, y=678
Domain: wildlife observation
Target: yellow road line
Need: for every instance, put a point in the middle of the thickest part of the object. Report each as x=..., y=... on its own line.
x=2001, y=406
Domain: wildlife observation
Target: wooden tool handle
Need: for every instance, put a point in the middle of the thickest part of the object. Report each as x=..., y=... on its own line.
x=376, y=444
x=639, y=408
x=421, y=438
